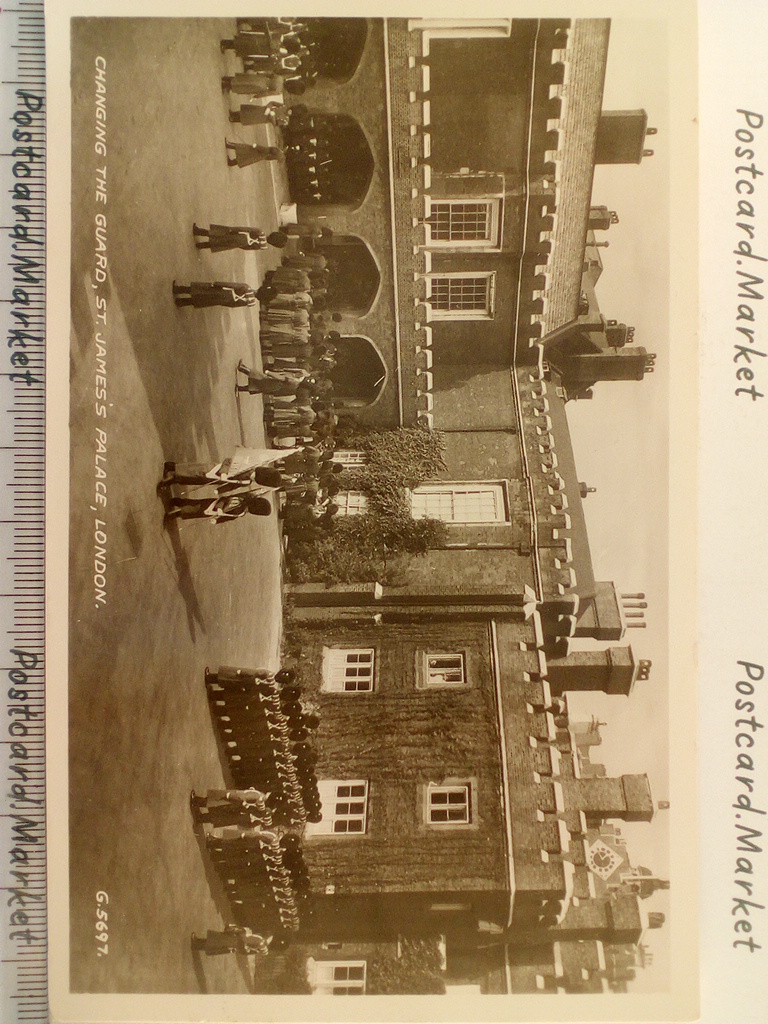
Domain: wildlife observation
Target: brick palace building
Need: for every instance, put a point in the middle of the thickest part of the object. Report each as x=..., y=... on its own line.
x=459, y=801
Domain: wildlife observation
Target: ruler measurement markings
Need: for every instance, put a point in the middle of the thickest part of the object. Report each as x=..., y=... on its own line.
x=23, y=51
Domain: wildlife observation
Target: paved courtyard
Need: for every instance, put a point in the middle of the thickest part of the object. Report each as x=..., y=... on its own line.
x=177, y=598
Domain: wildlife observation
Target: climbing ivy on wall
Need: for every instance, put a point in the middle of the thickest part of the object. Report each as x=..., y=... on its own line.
x=377, y=546
x=417, y=971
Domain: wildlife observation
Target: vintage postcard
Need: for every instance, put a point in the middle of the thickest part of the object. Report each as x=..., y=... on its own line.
x=733, y=484
x=366, y=337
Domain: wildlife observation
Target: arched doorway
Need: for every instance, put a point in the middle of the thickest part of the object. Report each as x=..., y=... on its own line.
x=338, y=45
x=360, y=374
x=354, y=278
x=329, y=159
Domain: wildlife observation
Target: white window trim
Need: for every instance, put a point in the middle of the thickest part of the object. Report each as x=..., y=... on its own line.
x=429, y=684
x=476, y=484
x=493, y=241
x=451, y=786
x=359, y=506
x=329, y=795
x=463, y=314
x=350, y=459
x=438, y=28
x=334, y=677
x=322, y=981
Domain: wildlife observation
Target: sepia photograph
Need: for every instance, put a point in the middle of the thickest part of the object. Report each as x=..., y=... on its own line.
x=368, y=683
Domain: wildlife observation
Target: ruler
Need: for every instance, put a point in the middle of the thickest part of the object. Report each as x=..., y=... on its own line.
x=23, y=931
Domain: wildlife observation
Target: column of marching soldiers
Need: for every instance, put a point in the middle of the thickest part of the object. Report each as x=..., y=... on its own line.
x=298, y=345
x=252, y=830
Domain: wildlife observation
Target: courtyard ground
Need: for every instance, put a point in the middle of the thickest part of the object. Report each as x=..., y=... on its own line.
x=180, y=597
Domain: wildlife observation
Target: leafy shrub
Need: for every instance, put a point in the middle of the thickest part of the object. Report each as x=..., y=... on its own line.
x=372, y=546
x=283, y=974
x=417, y=971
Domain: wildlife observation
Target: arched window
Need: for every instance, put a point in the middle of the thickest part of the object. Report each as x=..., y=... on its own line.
x=354, y=278
x=337, y=46
x=329, y=159
x=360, y=372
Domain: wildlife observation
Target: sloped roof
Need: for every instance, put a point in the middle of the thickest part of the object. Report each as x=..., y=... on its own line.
x=566, y=467
x=587, y=54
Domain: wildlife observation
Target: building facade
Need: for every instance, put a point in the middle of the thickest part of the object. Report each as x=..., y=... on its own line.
x=465, y=256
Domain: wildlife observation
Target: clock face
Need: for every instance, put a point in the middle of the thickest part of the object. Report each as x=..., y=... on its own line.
x=602, y=860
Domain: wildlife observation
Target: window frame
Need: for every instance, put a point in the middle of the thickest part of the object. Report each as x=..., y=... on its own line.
x=437, y=313
x=499, y=487
x=492, y=240
x=426, y=680
x=350, y=458
x=448, y=787
x=333, y=682
x=326, y=828
x=342, y=499
x=327, y=987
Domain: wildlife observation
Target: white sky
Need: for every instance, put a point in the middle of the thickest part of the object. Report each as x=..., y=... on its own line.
x=620, y=441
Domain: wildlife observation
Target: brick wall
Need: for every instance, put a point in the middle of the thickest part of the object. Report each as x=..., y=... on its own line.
x=479, y=91
x=472, y=570
x=484, y=83
x=495, y=557
x=615, y=918
x=401, y=738
x=457, y=341
x=474, y=396
x=580, y=966
x=405, y=80
x=527, y=794
x=525, y=964
x=486, y=455
x=364, y=97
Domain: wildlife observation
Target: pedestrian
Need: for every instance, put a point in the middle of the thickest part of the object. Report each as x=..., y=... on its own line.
x=307, y=231
x=278, y=239
x=289, y=434
x=286, y=64
x=291, y=313
x=220, y=510
x=230, y=675
x=220, y=804
x=294, y=300
x=247, y=153
x=234, y=471
x=305, y=462
x=223, y=835
x=274, y=336
x=202, y=294
x=251, y=83
x=203, y=474
x=279, y=347
x=258, y=113
x=221, y=237
x=304, y=489
x=233, y=939
x=296, y=85
x=264, y=383
x=288, y=279
x=297, y=416
x=311, y=261
x=248, y=44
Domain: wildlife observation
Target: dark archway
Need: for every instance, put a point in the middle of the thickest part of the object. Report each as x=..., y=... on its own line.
x=329, y=159
x=354, y=278
x=338, y=46
x=360, y=373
